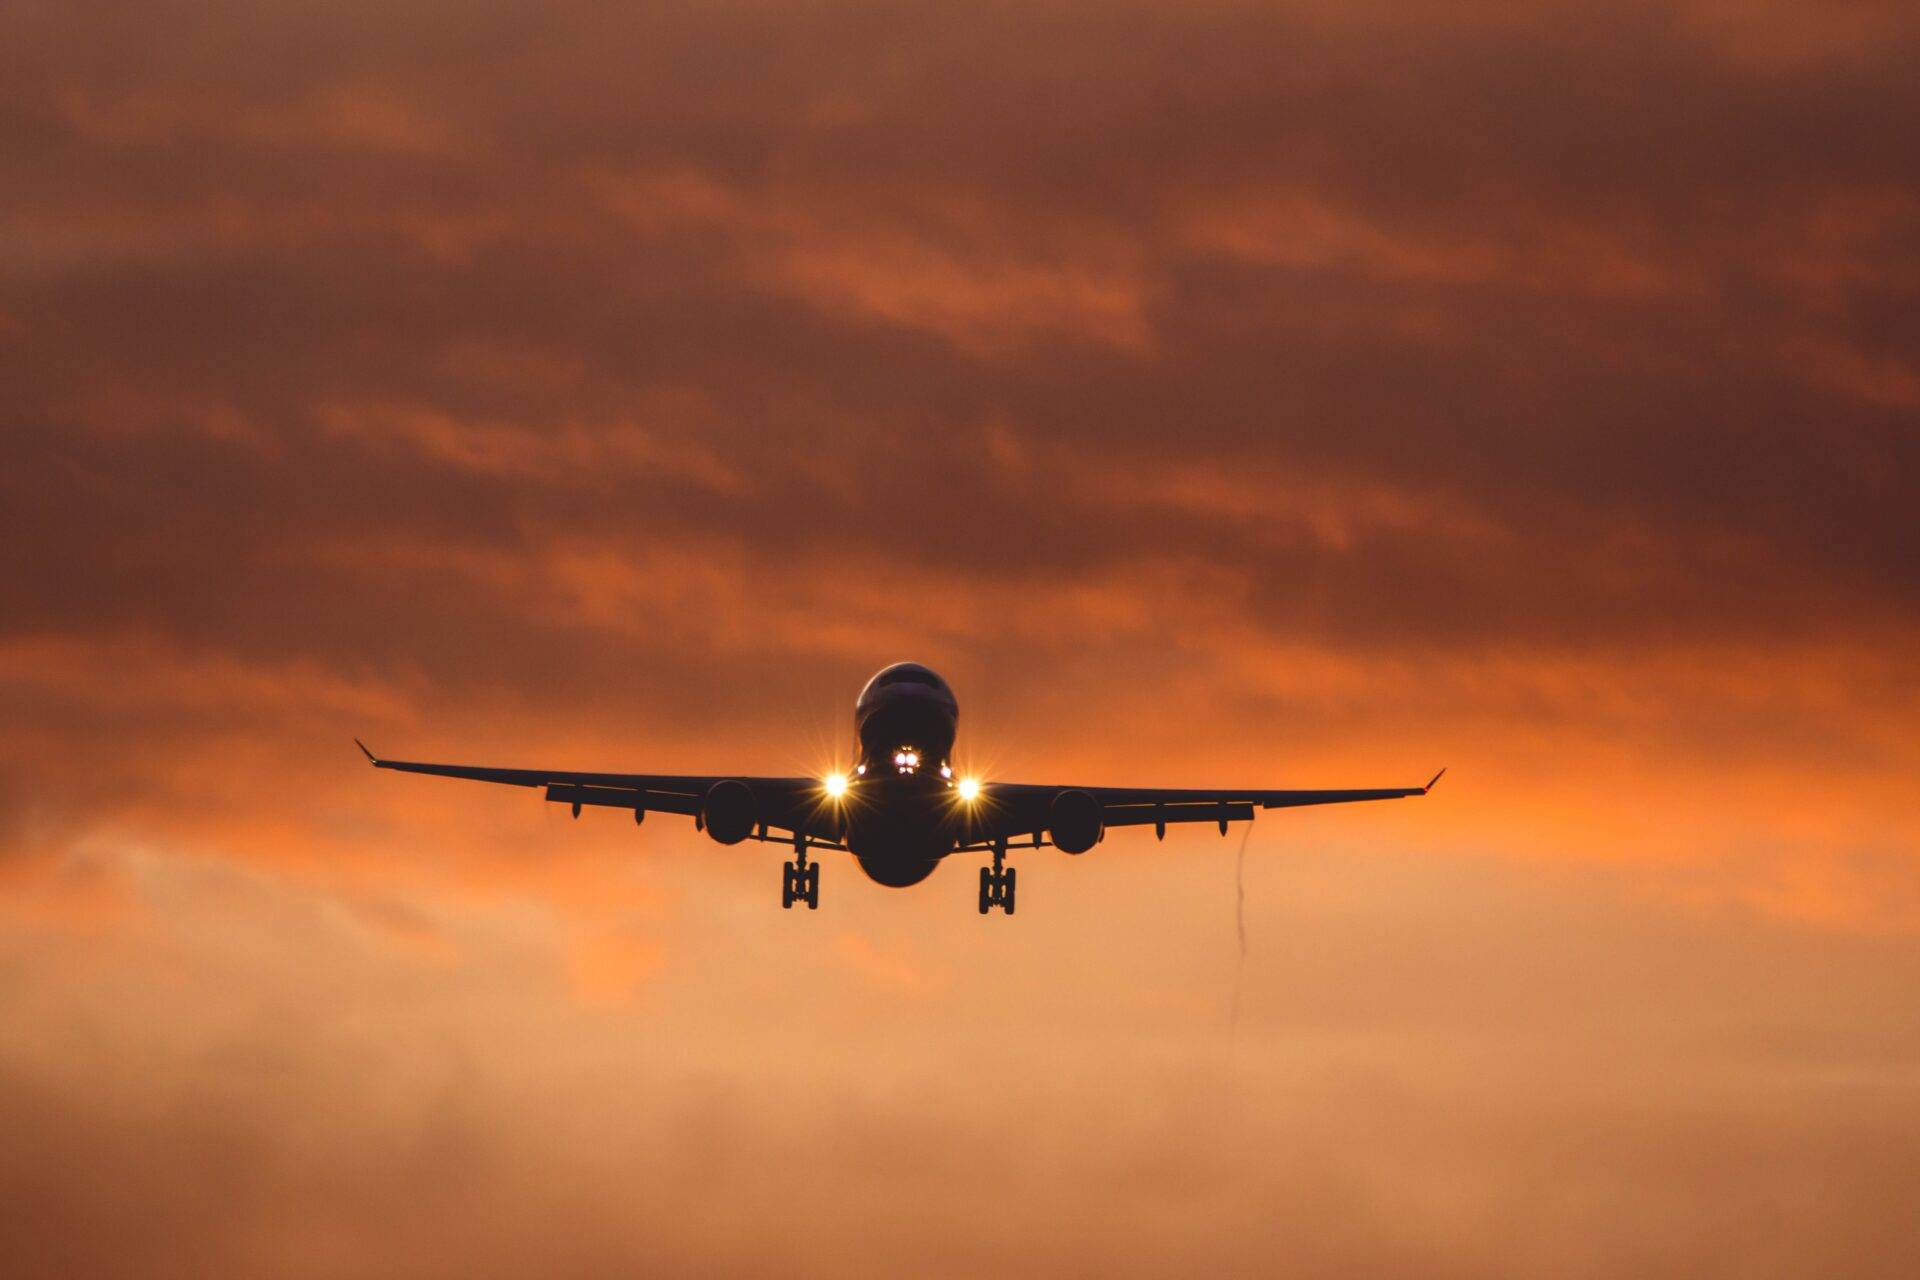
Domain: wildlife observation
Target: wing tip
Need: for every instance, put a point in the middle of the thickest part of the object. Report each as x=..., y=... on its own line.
x=1436, y=778
x=371, y=758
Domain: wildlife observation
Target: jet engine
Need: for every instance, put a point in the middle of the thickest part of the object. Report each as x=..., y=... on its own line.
x=1075, y=822
x=729, y=811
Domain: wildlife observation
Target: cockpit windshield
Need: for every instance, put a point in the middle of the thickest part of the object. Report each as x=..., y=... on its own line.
x=899, y=679
x=907, y=675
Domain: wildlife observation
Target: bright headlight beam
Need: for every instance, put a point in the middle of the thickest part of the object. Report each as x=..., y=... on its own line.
x=836, y=785
x=969, y=789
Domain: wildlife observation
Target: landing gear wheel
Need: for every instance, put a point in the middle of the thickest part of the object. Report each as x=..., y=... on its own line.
x=793, y=887
x=812, y=892
x=996, y=886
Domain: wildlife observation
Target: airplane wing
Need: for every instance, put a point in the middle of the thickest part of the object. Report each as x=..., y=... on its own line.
x=1006, y=811
x=1011, y=810
x=788, y=804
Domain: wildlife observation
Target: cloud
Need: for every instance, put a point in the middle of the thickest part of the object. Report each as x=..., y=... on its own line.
x=1253, y=393
x=1571, y=1081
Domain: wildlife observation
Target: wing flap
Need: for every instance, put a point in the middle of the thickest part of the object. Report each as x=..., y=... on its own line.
x=623, y=798
x=1147, y=815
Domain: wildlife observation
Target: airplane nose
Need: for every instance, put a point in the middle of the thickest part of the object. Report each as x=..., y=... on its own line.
x=925, y=722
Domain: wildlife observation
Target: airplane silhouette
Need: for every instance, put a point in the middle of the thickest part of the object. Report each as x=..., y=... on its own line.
x=902, y=809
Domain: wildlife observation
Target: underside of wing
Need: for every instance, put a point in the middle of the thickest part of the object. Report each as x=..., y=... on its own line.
x=785, y=804
x=1025, y=809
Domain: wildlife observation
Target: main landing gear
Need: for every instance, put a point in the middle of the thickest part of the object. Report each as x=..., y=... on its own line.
x=802, y=882
x=997, y=882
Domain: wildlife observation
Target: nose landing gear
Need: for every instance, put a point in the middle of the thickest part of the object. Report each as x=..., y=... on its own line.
x=802, y=881
x=997, y=882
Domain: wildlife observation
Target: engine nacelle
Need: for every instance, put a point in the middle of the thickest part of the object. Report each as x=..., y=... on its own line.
x=729, y=811
x=1075, y=822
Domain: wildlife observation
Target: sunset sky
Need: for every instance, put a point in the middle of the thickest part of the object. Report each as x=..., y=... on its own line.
x=1296, y=394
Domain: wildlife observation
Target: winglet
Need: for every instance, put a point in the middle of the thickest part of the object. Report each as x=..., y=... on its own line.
x=1423, y=790
x=372, y=758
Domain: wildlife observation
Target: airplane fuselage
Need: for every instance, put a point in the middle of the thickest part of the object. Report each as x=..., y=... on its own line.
x=902, y=812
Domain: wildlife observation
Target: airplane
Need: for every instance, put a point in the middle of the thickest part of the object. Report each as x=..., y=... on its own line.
x=901, y=810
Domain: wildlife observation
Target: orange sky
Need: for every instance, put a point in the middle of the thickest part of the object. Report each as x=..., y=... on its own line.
x=1279, y=394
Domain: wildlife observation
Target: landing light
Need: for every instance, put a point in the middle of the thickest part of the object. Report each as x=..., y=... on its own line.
x=836, y=785
x=969, y=789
